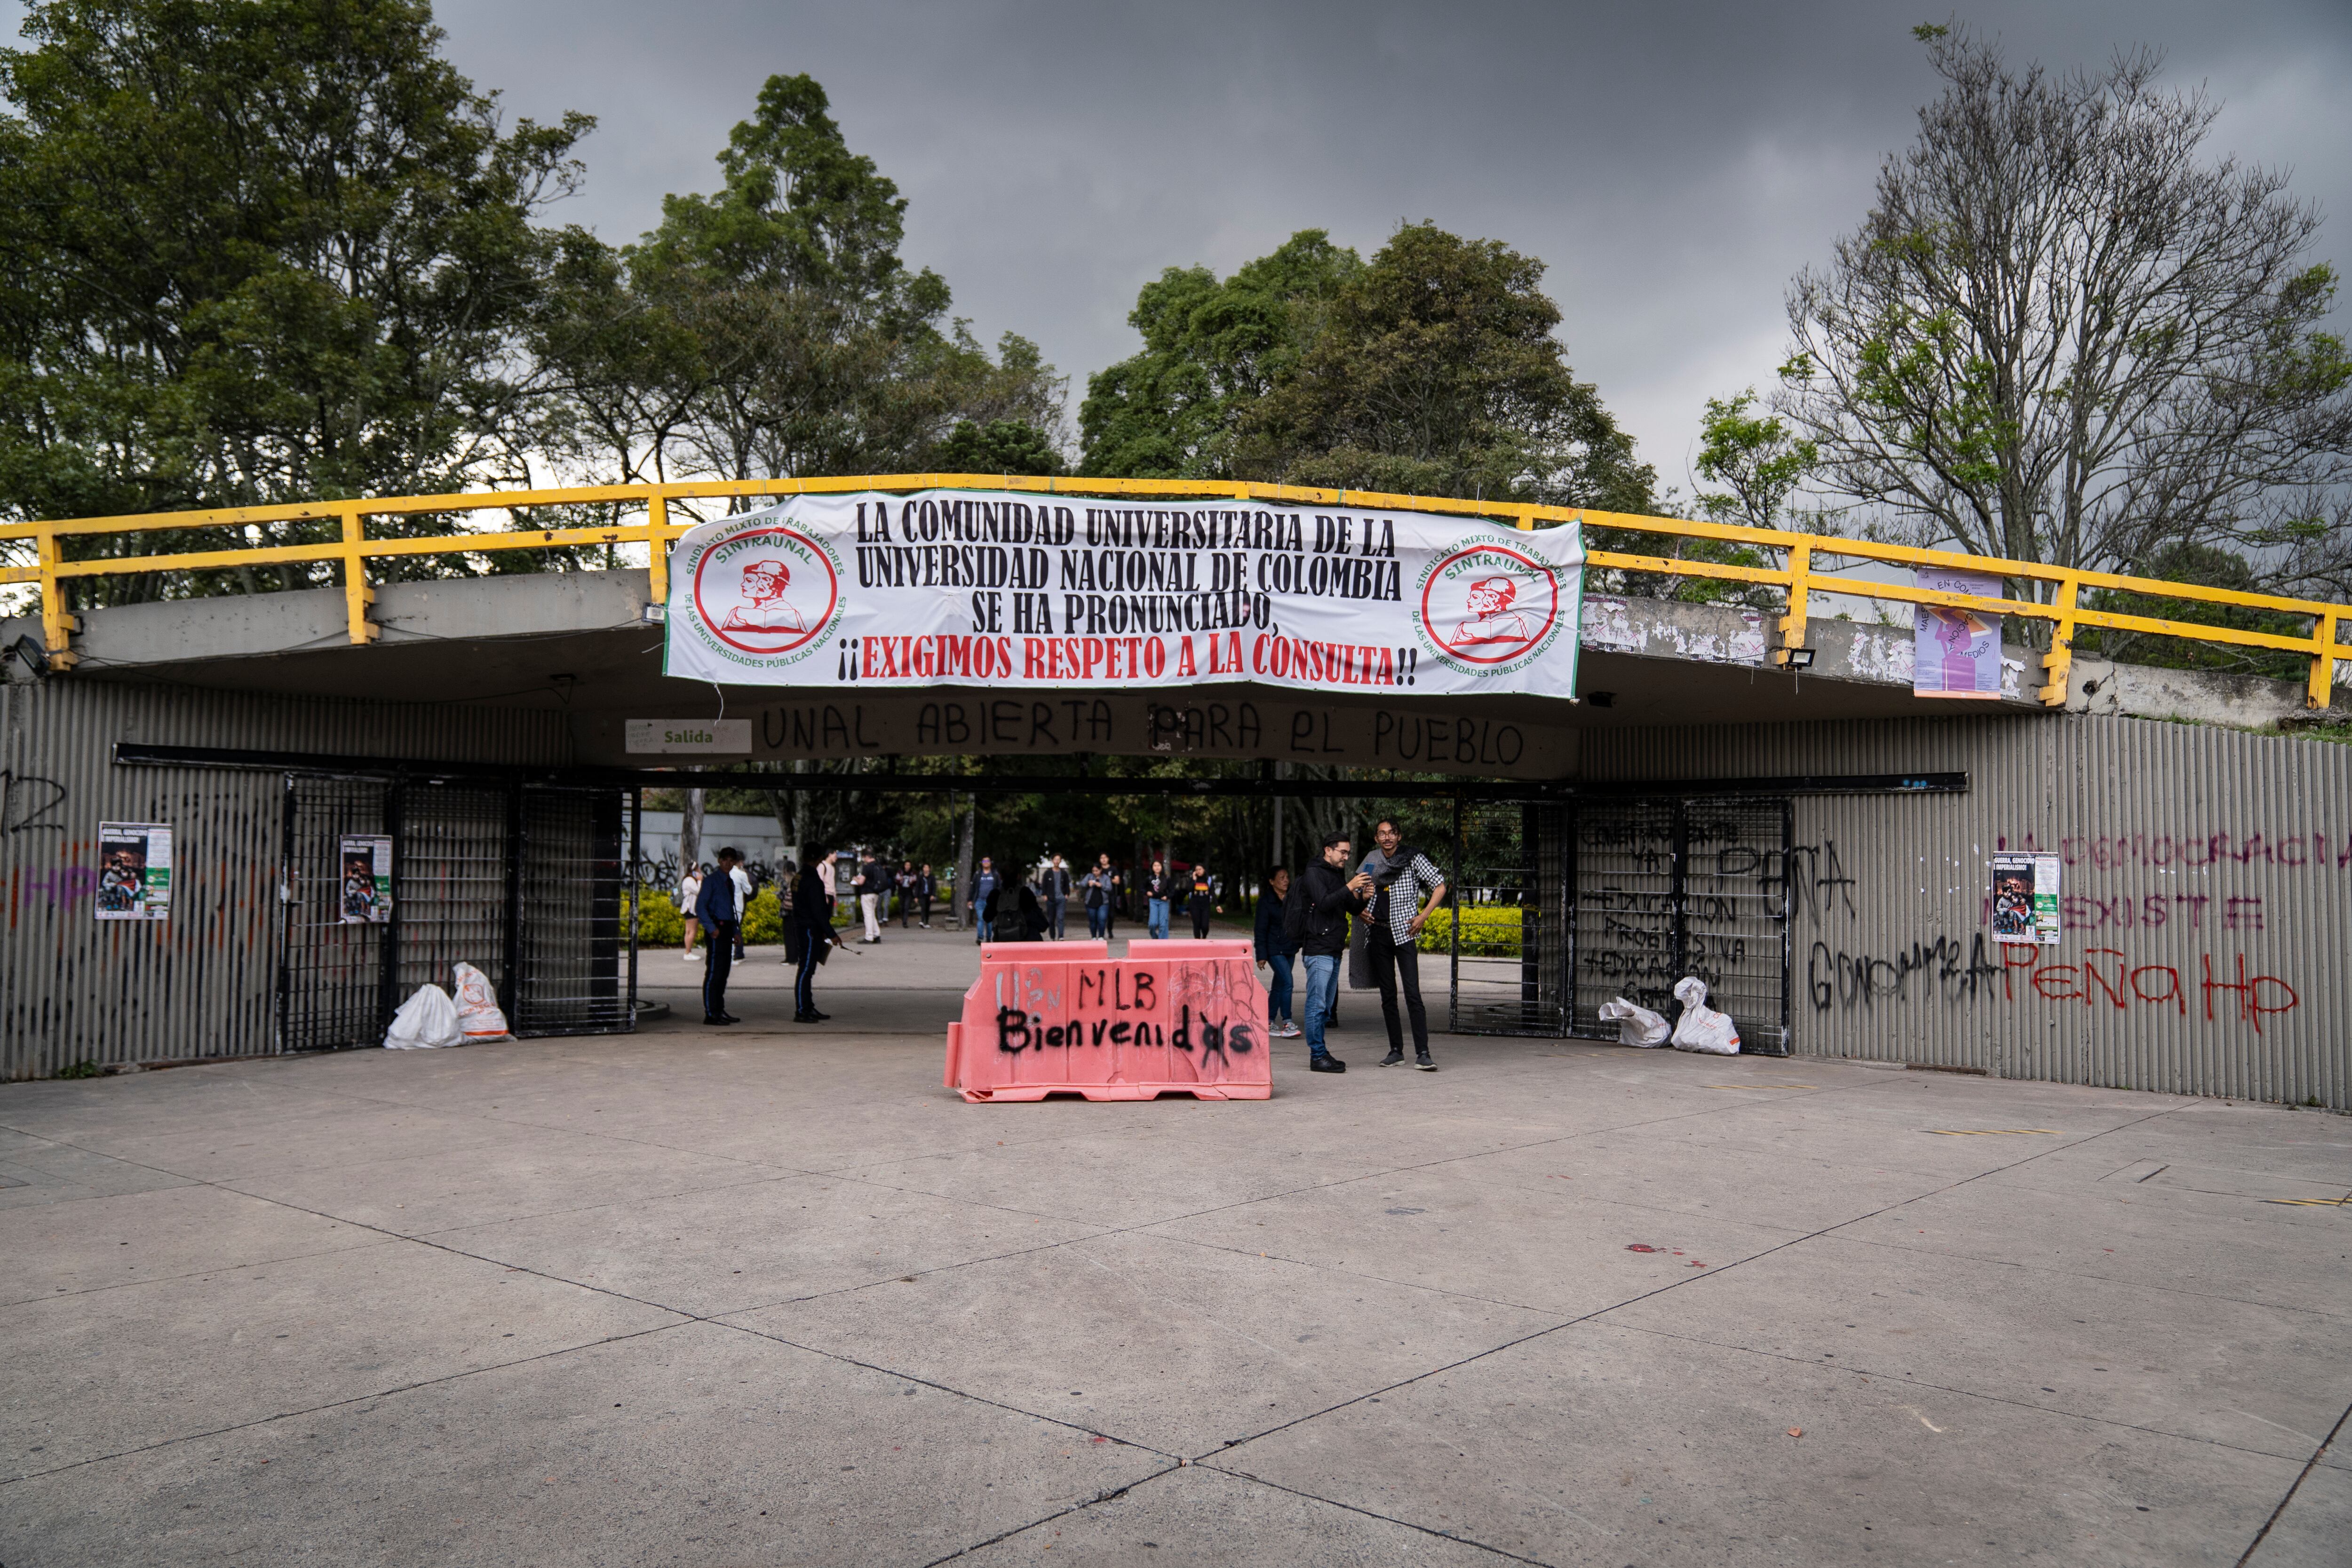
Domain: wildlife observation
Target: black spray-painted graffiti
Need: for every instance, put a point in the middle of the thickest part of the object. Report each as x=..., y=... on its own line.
x=29, y=803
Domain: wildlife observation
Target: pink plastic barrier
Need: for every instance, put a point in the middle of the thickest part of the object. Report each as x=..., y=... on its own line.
x=1171, y=1018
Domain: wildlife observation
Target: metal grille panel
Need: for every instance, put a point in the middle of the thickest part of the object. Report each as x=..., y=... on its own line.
x=570, y=980
x=1511, y=919
x=331, y=980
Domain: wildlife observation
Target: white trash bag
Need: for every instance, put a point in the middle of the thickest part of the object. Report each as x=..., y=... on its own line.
x=477, y=1006
x=425, y=1022
x=1635, y=1026
x=1701, y=1028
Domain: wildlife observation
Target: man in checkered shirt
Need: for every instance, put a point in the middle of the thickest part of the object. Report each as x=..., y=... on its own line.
x=1401, y=879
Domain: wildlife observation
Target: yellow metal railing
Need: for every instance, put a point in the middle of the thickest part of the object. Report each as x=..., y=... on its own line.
x=1798, y=579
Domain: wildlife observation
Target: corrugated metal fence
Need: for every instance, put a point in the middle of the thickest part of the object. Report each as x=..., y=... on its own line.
x=2207, y=899
x=75, y=989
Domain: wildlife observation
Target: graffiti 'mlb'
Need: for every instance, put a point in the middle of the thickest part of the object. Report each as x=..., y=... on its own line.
x=949, y=586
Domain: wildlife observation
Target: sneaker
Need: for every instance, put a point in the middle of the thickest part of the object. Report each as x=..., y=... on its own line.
x=707, y=1022
x=1327, y=1063
x=1423, y=1063
x=694, y=958
x=1290, y=1031
x=1393, y=1058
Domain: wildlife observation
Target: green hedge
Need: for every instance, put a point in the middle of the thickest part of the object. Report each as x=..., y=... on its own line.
x=1488, y=931
x=663, y=926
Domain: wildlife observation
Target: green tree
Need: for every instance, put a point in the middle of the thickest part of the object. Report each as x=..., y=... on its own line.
x=2063, y=334
x=2185, y=560
x=1759, y=462
x=1436, y=372
x=264, y=252
x=770, y=328
x=999, y=447
x=1210, y=350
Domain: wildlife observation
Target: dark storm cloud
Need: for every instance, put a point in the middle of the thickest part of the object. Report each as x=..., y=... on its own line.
x=1673, y=164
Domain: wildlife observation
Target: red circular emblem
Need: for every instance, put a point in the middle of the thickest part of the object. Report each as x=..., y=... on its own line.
x=765, y=601
x=1492, y=616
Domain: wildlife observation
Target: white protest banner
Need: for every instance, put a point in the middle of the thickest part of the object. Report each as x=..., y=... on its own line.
x=974, y=588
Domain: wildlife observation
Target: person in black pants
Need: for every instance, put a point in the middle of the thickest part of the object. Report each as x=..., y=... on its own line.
x=813, y=915
x=1202, y=901
x=1401, y=878
x=717, y=908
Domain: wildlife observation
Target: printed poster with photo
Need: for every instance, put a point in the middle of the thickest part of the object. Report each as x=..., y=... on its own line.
x=2025, y=899
x=1956, y=652
x=134, y=871
x=366, y=878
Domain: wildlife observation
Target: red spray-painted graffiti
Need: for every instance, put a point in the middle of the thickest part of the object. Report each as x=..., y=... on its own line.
x=2105, y=977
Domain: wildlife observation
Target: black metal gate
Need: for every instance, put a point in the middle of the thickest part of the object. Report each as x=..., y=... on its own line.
x=1560, y=906
x=1510, y=897
x=1675, y=886
x=521, y=882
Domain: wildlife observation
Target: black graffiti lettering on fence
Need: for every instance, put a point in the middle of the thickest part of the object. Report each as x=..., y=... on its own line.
x=1850, y=980
x=28, y=801
x=1816, y=881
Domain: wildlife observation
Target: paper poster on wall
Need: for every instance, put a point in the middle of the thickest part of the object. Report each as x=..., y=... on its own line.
x=134, y=871
x=1956, y=652
x=367, y=879
x=2025, y=899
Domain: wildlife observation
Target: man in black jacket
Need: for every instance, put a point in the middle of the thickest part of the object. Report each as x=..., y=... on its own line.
x=722, y=914
x=813, y=915
x=1318, y=916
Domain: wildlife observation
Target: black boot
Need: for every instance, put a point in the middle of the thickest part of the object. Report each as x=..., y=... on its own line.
x=1327, y=1063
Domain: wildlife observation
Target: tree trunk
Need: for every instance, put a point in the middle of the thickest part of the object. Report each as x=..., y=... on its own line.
x=963, y=859
x=689, y=833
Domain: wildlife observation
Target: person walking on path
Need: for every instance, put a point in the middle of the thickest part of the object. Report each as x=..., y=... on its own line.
x=1401, y=875
x=1274, y=950
x=689, y=889
x=1316, y=918
x=720, y=914
x=1095, y=889
x=926, y=885
x=1156, y=888
x=982, y=902
x=906, y=884
x=813, y=918
x=1057, y=896
x=867, y=883
x=1203, y=902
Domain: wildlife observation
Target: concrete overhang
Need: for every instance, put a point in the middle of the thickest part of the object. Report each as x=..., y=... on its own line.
x=579, y=643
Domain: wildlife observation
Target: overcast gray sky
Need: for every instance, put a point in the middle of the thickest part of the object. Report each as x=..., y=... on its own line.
x=1674, y=163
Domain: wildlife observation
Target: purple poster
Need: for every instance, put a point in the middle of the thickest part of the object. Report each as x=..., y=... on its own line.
x=1956, y=652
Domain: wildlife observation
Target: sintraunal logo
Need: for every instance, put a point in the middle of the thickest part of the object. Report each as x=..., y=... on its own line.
x=765, y=595
x=1488, y=608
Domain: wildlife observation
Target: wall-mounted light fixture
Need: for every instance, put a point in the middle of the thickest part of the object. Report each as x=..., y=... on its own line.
x=1797, y=658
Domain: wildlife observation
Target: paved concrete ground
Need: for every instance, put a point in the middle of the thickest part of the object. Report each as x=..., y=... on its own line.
x=770, y=1295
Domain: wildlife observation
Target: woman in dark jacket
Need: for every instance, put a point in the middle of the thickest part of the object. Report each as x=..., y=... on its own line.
x=1203, y=901
x=1275, y=951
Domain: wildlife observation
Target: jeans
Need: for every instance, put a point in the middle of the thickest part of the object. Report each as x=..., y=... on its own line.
x=804, y=986
x=1388, y=962
x=1054, y=907
x=1277, y=990
x=714, y=972
x=1094, y=919
x=986, y=924
x=1322, y=994
x=1155, y=916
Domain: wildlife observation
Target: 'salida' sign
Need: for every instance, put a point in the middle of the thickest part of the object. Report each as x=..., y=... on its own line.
x=961, y=588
